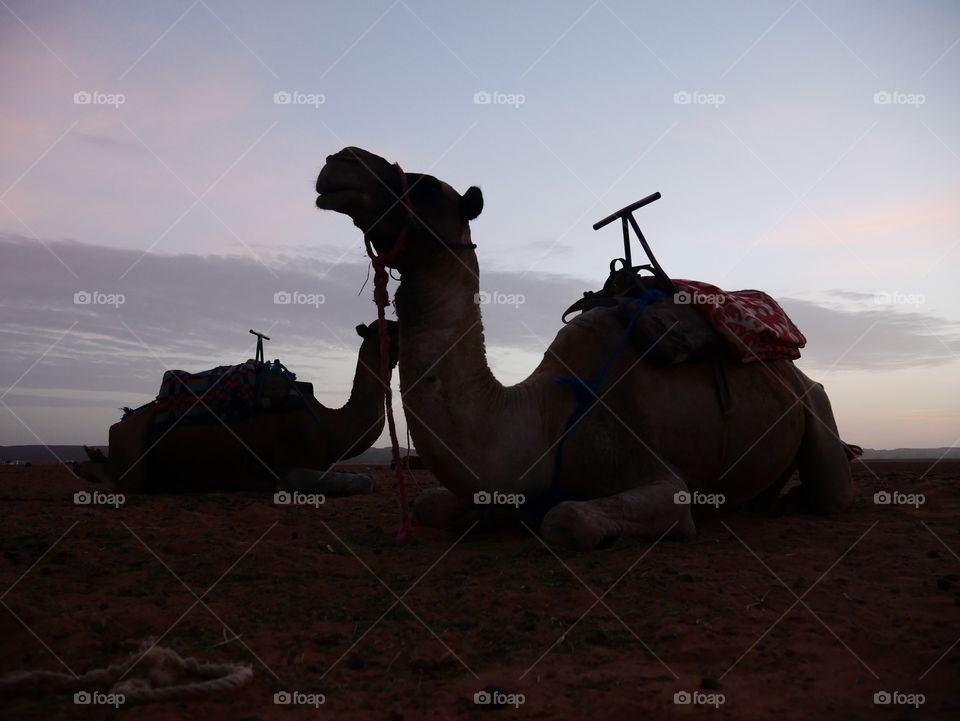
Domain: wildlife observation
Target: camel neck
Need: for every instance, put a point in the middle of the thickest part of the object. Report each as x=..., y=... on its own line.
x=366, y=393
x=352, y=428
x=441, y=329
x=461, y=419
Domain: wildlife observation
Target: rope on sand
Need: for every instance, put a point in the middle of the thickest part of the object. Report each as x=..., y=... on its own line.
x=162, y=676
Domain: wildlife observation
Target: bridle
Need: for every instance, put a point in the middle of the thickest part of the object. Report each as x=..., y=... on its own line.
x=382, y=298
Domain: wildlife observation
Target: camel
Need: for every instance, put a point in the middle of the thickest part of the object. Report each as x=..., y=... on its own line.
x=655, y=437
x=271, y=450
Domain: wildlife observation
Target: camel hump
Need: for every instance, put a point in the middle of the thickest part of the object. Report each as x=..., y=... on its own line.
x=667, y=333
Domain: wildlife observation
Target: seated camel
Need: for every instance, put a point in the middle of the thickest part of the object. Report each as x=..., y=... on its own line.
x=654, y=452
x=285, y=448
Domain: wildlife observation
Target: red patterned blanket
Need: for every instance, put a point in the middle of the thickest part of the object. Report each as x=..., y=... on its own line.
x=751, y=323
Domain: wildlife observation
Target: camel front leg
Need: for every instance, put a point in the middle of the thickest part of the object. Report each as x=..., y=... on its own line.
x=648, y=511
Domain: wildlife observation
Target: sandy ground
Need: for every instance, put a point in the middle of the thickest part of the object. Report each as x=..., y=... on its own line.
x=788, y=618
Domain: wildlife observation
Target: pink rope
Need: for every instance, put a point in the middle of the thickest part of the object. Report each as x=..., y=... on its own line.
x=382, y=298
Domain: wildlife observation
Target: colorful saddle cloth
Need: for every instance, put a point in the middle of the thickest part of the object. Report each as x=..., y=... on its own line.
x=226, y=393
x=751, y=323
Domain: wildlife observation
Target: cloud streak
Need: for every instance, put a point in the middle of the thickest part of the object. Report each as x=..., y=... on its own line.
x=193, y=312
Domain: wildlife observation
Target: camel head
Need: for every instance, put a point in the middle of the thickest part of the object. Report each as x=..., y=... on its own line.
x=370, y=190
x=371, y=340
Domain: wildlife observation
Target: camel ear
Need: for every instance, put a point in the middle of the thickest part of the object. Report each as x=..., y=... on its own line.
x=362, y=330
x=471, y=203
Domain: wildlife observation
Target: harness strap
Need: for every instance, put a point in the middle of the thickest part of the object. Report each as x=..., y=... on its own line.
x=725, y=402
x=585, y=392
x=588, y=301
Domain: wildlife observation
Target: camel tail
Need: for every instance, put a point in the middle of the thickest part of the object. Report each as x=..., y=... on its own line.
x=852, y=451
x=95, y=455
x=93, y=470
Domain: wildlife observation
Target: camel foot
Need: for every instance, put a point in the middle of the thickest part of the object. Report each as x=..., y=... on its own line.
x=648, y=511
x=573, y=524
x=439, y=508
x=329, y=483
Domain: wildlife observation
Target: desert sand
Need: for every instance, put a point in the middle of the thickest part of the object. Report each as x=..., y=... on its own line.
x=312, y=594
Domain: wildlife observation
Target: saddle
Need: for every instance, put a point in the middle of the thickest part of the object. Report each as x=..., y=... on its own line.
x=229, y=393
x=276, y=392
x=666, y=332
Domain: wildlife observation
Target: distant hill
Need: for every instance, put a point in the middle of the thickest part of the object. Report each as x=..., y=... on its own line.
x=897, y=454
x=41, y=454
x=376, y=456
x=381, y=456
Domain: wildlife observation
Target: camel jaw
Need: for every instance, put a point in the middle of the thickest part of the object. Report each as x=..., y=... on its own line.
x=347, y=182
x=347, y=201
x=340, y=192
x=339, y=188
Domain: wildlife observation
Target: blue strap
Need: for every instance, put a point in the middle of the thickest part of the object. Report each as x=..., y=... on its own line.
x=585, y=392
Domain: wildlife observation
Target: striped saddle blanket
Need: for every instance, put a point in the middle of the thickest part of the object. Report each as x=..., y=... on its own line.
x=227, y=393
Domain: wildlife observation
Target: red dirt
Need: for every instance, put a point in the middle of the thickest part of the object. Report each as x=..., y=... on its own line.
x=491, y=605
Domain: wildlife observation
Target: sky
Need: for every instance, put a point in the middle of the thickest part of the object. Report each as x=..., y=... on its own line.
x=809, y=149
